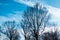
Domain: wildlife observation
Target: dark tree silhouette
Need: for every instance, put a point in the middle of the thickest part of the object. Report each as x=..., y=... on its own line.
x=50, y=36
x=33, y=19
x=10, y=32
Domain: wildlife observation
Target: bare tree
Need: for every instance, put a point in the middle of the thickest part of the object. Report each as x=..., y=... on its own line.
x=33, y=19
x=50, y=35
x=10, y=30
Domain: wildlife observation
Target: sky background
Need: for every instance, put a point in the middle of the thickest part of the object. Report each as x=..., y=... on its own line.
x=9, y=6
x=12, y=9
x=55, y=3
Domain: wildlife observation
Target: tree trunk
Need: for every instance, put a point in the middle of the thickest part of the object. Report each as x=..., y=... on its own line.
x=11, y=38
x=36, y=34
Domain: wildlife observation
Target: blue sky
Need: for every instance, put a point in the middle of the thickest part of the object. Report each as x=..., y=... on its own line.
x=55, y=3
x=8, y=6
x=12, y=9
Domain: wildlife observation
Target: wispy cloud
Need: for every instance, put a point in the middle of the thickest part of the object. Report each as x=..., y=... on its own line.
x=55, y=14
x=29, y=3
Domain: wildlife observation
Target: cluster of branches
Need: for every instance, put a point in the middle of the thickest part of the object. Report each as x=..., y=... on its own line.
x=10, y=30
x=50, y=35
x=34, y=19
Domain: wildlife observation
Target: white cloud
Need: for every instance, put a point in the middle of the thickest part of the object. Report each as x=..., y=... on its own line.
x=55, y=14
x=29, y=3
